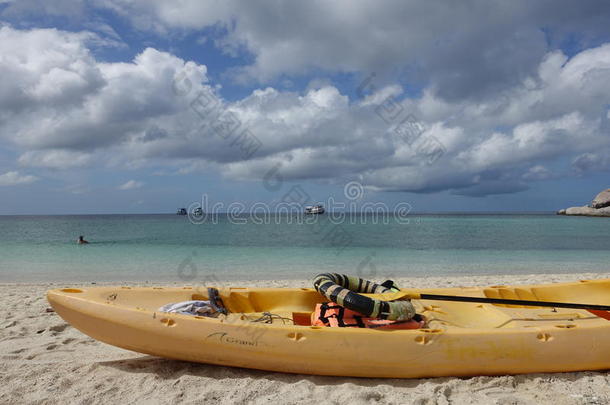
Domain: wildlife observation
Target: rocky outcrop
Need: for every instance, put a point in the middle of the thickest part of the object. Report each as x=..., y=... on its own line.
x=587, y=211
x=599, y=207
x=601, y=200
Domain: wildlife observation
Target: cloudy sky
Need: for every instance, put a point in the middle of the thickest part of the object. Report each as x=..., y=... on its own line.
x=128, y=106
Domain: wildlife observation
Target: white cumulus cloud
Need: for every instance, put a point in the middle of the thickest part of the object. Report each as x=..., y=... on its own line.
x=54, y=158
x=130, y=185
x=13, y=178
x=60, y=108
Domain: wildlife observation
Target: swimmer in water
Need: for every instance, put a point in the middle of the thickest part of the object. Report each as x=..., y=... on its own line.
x=81, y=240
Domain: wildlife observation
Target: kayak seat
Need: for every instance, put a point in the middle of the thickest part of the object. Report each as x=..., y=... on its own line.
x=287, y=301
x=511, y=294
x=443, y=314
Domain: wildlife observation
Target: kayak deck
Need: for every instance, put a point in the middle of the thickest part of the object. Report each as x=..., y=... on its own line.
x=459, y=338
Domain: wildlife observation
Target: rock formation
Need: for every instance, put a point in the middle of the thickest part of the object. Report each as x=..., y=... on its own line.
x=601, y=200
x=599, y=207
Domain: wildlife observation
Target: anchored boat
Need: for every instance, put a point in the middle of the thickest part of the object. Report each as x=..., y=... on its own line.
x=271, y=329
x=314, y=209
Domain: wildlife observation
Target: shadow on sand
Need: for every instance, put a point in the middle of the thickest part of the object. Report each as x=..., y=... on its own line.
x=173, y=369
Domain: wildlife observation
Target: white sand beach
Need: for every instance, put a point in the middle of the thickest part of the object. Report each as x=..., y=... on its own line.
x=44, y=360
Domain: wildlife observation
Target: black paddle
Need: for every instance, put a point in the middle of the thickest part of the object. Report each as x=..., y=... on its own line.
x=599, y=310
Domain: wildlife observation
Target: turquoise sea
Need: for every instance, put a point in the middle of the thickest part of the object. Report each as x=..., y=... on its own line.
x=172, y=248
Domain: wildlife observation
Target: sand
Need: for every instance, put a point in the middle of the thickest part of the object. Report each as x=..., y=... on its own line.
x=44, y=360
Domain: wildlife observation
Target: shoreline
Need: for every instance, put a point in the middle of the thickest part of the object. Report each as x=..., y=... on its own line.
x=468, y=280
x=45, y=360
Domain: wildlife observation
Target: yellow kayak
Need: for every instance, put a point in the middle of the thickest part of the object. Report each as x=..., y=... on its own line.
x=268, y=329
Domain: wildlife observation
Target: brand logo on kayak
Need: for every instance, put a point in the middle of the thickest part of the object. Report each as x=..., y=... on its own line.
x=224, y=337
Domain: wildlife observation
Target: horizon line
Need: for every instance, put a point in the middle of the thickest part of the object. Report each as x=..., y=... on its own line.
x=296, y=213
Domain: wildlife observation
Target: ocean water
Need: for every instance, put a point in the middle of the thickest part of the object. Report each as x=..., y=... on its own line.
x=172, y=248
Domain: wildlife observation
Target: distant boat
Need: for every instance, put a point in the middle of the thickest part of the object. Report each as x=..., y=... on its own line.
x=181, y=211
x=198, y=211
x=314, y=209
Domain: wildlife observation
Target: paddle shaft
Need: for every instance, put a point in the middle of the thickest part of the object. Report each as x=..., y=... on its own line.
x=437, y=297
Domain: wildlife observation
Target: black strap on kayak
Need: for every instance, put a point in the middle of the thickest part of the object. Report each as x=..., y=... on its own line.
x=216, y=302
x=322, y=317
x=390, y=284
x=339, y=316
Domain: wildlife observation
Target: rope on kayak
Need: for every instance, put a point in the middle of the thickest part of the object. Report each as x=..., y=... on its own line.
x=268, y=317
x=343, y=290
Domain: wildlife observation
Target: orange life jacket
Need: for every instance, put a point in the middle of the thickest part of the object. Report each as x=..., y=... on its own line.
x=333, y=315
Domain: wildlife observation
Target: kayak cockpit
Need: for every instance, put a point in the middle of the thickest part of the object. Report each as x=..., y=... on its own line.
x=295, y=305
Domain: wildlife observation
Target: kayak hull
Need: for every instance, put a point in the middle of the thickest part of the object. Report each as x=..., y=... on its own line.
x=461, y=339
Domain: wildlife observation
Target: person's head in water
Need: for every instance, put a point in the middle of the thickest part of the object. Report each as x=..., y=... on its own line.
x=81, y=240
